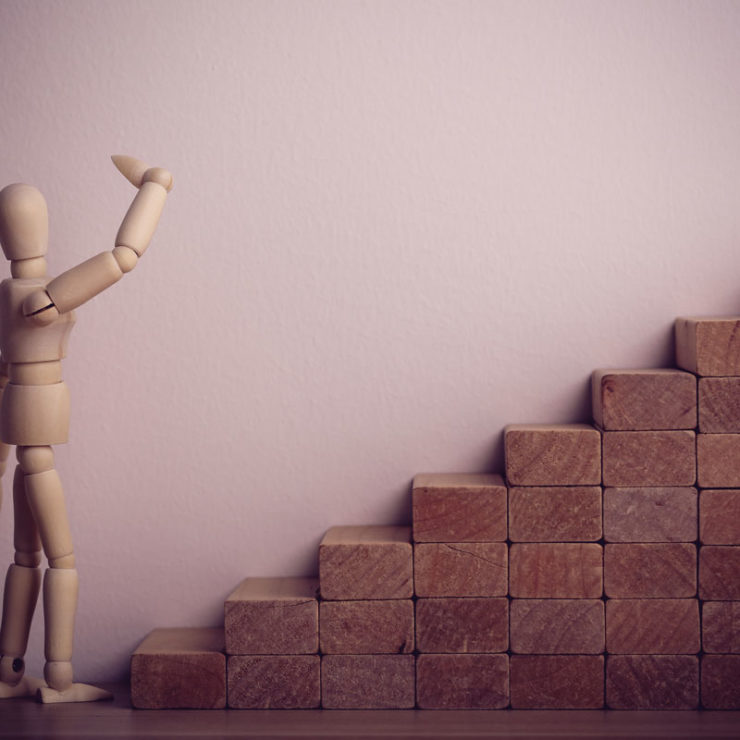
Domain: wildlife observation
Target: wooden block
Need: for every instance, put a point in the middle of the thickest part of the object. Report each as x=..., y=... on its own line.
x=557, y=681
x=367, y=681
x=718, y=460
x=461, y=569
x=459, y=508
x=719, y=517
x=635, y=400
x=462, y=681
x=650, y=571
x=652, y=626
x=274, y=681
x=719, y=573
x=179, y=668
x=272, y=616
x=649, y=459
x=650, y=514
x=652, y=682
x=366, y=563
x=708, y=346
x=557, y=626
x=555, y=514
x=365, y=627
x=720, y=681
x=720, y=624
x=552, y=455
x=555, y=571
x=462, y=625
x=719, y=405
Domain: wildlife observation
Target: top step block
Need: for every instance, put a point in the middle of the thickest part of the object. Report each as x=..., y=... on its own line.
x=644, y=400
x=552, y=455
x=709, y=346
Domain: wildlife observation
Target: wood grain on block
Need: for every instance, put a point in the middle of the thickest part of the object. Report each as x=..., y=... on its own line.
x=367, y=681
x=459, y=508
x=650, y=514
x=719, y=405
x=462, y=625
x=557, y=626
x=274, y=681
x=650, y=571
x=366, y=627
x=461, y=569
x=570, y=570
x=552, y=455
x=652, y=626
x=462, y=681
x=708, y=346
x=272, y=616
x=180, y=668
x=372, y=562
x=719, y=573
x=719, y=517
x=652, y=682
x=649, y=459
x=557, y=681
x=718, y=460
x=720, y=681
x=634, y=400
x=555, y=514
x=720, y=624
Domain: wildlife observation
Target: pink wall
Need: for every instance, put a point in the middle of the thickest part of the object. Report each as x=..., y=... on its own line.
x=395, y=228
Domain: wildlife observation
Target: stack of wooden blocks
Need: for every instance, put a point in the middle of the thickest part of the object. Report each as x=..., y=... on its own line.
x=605, y=571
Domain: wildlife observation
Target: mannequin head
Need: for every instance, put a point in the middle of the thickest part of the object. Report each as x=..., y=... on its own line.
x=24, y=222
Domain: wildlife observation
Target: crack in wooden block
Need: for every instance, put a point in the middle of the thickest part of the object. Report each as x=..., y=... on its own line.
x=552, y=455
x=468, y=625
x=373, y=562
x=719, y=517
x=720, y=679
x=652, y=626
x=649, y=459
x=720, y=623
x=708, y=346
x=636, y=400
x=459, y=508
x=462, y=681
x=718, y=460
x=557, y=626
x=461, y=569
x=719, y=405
x=570, y=570
x=366, y=627
x=368, y=681
x=179, y=668
x=274, y=681
x=557, y=681
x=555, y=514
x=650, y=571
x=719, y=573
x=650, y=514
x=652, y=682
x=272, y=616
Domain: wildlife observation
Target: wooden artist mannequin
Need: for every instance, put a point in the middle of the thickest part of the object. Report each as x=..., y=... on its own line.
x=35, y=321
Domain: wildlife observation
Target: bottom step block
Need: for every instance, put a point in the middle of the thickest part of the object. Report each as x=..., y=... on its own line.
x=720, y=681
x=180, y=668
x=652, y=682
x=274, y=681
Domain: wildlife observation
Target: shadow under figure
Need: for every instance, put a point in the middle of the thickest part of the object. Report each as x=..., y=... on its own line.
x=36, y=318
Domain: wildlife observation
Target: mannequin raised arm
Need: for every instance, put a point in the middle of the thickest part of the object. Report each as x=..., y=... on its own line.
x=83, y=282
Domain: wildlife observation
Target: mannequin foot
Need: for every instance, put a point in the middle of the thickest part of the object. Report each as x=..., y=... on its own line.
x=25, y=687
x=77, y=692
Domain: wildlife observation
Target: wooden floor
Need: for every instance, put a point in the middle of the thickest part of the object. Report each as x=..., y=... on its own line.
x=27, y=719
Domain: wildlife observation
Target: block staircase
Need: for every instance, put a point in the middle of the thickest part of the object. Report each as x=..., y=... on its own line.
x=603, y=572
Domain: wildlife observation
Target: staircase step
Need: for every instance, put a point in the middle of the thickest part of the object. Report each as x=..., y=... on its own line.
x=652, y=682
x=719, y=405
x=552, y=455
x=373, y=562
x=718, y=460
x=639, y=400
x=272, y=616
x=708, y=346
x=180, y=668
x=274, y=681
